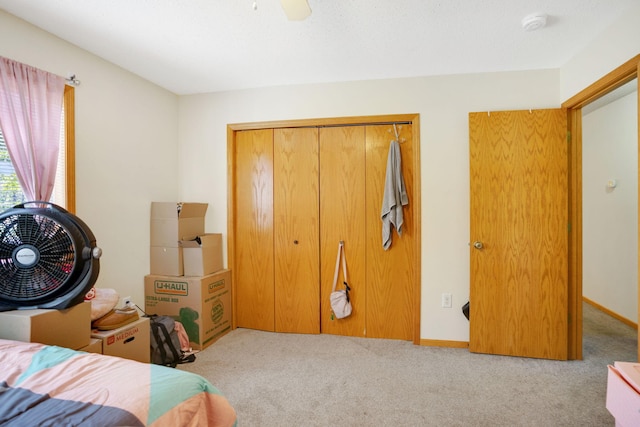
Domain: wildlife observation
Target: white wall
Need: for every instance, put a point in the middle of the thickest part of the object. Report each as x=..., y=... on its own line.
x=608, y=50
x=126, y=146
x=610, y=216
x=443, y=104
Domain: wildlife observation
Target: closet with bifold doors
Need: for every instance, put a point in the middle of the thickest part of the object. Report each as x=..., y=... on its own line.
x=296, y=190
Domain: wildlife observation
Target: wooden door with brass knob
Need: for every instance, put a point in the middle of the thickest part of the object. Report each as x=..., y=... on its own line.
x=296, y=230
x=519, y=233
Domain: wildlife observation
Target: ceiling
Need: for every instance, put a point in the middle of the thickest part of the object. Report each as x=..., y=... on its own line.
x=199, y=46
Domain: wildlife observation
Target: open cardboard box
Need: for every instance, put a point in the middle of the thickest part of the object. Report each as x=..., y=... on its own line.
x=203, y=258
x=172, y=222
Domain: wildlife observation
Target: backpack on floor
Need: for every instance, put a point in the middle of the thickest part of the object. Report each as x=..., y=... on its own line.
x=165, y=342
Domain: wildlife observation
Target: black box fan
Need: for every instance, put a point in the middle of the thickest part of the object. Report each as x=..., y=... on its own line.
x=48, y=257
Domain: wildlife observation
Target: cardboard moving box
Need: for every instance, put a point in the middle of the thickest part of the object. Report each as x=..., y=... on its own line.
x=132, y=341
x=95, y=346
x=172, y=222
x=70, y=328
x=201, y=259
x=201, y=304
x=166, y=261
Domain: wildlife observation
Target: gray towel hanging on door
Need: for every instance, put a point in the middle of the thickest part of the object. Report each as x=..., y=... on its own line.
x=395, y=196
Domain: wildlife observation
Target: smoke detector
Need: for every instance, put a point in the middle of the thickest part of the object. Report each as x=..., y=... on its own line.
x=534, y=21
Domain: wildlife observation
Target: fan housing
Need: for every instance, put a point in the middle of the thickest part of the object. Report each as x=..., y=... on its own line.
x=48, y=257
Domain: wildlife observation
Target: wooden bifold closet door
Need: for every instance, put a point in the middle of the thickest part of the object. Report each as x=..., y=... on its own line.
x=276, y=230
x=391, y=274
x=300, y=191
x=295, y=207
x=253, y=272
x=342, y=217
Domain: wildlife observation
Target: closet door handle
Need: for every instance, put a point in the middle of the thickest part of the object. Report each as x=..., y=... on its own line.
x=295, y=242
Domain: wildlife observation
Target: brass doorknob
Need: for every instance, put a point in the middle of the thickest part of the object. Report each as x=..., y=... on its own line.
x=478, y=245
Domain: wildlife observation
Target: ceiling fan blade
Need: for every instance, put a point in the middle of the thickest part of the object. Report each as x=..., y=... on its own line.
x=296, y=10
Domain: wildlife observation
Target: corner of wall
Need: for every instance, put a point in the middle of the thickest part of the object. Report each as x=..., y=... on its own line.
x=619, y=43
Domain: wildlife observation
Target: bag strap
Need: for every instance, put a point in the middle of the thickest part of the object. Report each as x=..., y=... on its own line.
x=167, y=339
x=158, y=340
x=344, y=267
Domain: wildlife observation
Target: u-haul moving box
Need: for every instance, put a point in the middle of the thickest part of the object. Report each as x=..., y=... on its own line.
x=172, y=222
x=201, y=304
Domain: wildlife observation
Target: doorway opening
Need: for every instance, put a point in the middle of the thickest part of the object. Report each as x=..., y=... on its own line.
x=604, y=86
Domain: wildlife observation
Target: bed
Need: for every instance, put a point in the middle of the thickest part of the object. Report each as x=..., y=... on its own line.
x=52, y=386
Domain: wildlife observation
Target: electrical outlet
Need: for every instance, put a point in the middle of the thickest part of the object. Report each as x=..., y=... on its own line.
x=446, y=300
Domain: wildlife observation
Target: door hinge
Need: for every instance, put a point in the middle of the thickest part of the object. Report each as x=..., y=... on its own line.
x=569, y=136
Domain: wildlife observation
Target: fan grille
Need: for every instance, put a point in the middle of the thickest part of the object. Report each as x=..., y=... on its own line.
x=50, y=261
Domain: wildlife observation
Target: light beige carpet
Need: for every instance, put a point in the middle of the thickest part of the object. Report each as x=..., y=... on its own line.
x=323, y=380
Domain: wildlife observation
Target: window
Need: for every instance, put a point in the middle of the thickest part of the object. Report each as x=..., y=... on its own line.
x=64, y=189
x=10, y=191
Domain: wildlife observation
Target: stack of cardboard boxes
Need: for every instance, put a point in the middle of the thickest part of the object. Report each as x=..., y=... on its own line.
x=188, y=281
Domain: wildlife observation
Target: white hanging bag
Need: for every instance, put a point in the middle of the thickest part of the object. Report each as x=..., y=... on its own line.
x=340, y=302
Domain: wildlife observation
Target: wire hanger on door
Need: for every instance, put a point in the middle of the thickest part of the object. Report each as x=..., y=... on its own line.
x=396, y=133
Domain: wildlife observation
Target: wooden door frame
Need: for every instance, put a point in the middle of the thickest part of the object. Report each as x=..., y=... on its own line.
x=414, y=119
x=611, y=81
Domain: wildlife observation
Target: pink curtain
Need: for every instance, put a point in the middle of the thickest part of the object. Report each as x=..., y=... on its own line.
x=30, y=114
